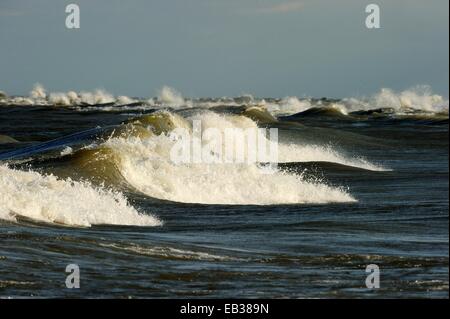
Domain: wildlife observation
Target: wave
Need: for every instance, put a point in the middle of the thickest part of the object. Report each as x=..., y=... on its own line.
x=290, y=153
x=158, y=177
x=5, y=139
x=136, y=156
x=28, y=194
x=143, y=159
x=334, y=111
x=38, y=92
x=38, y=96
x=166, y=252
x=289, y=105
x=259, y=114
x=295, y=152
x=170, y=97
x=419, y=99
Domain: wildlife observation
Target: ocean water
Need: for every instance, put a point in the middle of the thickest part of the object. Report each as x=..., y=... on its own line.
x=86, y=179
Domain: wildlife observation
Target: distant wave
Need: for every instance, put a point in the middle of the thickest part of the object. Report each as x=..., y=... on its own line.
x=416, y=99
x=419, y=99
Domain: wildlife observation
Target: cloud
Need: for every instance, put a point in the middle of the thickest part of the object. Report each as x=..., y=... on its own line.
x=285, y=7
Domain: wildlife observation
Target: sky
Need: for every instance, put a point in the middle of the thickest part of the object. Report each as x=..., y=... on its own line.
x=214, y=48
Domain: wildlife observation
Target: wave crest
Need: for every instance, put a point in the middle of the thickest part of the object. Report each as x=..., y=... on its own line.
x=419, y=98
x=146, y=165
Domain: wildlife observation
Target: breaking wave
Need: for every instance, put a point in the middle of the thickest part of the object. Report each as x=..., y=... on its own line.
x=170, y=97
x=28, y=194
x=137, y=156
x=141, y=152
x=419, y=98
x=157, y=176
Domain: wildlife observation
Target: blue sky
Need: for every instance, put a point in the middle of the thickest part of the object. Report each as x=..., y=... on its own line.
x=224, y=47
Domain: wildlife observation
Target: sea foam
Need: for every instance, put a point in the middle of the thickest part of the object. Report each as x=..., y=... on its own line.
x=146, y=164
x=418, y=98
x=52, y=200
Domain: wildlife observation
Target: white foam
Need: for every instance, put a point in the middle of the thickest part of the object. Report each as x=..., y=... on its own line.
x=291, y=152
x=146, y=164
x=172, y=98
x=48, y=199
x=122, y=99
x=18, y=100
x=289, y=105
x=38, y=96
x=59, y=98
x=96, y=97
x=38, y=92
x=211, y=119
x=149, y=170
x=168, y=252
x=420, y=98
x=66, y=151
